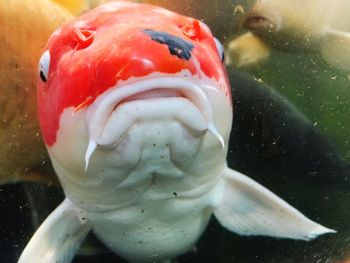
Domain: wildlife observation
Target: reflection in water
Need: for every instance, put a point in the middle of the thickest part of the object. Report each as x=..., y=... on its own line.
x=297, y=153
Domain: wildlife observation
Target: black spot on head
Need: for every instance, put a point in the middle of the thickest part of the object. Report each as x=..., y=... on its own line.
x=176, y=45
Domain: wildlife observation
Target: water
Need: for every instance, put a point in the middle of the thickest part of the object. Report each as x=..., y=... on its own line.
x=290, y=133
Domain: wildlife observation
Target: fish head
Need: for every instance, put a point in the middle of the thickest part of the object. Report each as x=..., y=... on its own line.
x=264, y=18
x=132, y=87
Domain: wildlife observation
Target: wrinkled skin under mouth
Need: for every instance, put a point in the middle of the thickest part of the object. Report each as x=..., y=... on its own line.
x=113, y=113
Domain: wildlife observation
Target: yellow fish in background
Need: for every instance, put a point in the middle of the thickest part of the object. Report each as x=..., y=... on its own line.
x=312, y=25
x=25, y=28
x=76, y=7
x=246, y=50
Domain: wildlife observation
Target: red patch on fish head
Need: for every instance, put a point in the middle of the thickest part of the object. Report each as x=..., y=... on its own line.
x=112, y=44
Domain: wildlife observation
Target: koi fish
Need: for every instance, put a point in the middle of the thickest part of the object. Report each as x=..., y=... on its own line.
x=246, y=50
x=77, y=7
x=23, y=24
x=135, y=110
x=315, y=25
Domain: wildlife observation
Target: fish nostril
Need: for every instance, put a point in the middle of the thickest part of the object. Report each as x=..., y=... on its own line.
x=84, y=37
x=191, y=31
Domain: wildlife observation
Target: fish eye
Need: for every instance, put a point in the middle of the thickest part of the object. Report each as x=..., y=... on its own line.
x=44, y=65
x=220, y=49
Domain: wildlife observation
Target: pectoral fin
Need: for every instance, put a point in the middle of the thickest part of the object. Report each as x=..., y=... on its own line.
x=59, y=236
x=336, y=49
x=248, y=208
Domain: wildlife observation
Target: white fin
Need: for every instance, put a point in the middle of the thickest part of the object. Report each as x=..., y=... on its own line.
x=212, y=129
x=59, y=237
x=90, y=150
x=336, y=49
x=248, y=208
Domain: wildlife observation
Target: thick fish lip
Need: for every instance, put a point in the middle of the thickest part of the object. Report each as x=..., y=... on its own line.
x=133, y=112
x=101, y=110
x=151, y=94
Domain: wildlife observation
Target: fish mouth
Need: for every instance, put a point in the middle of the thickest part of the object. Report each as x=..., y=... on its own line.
x=152, y=94
x=260, y=21
x=113, y=113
